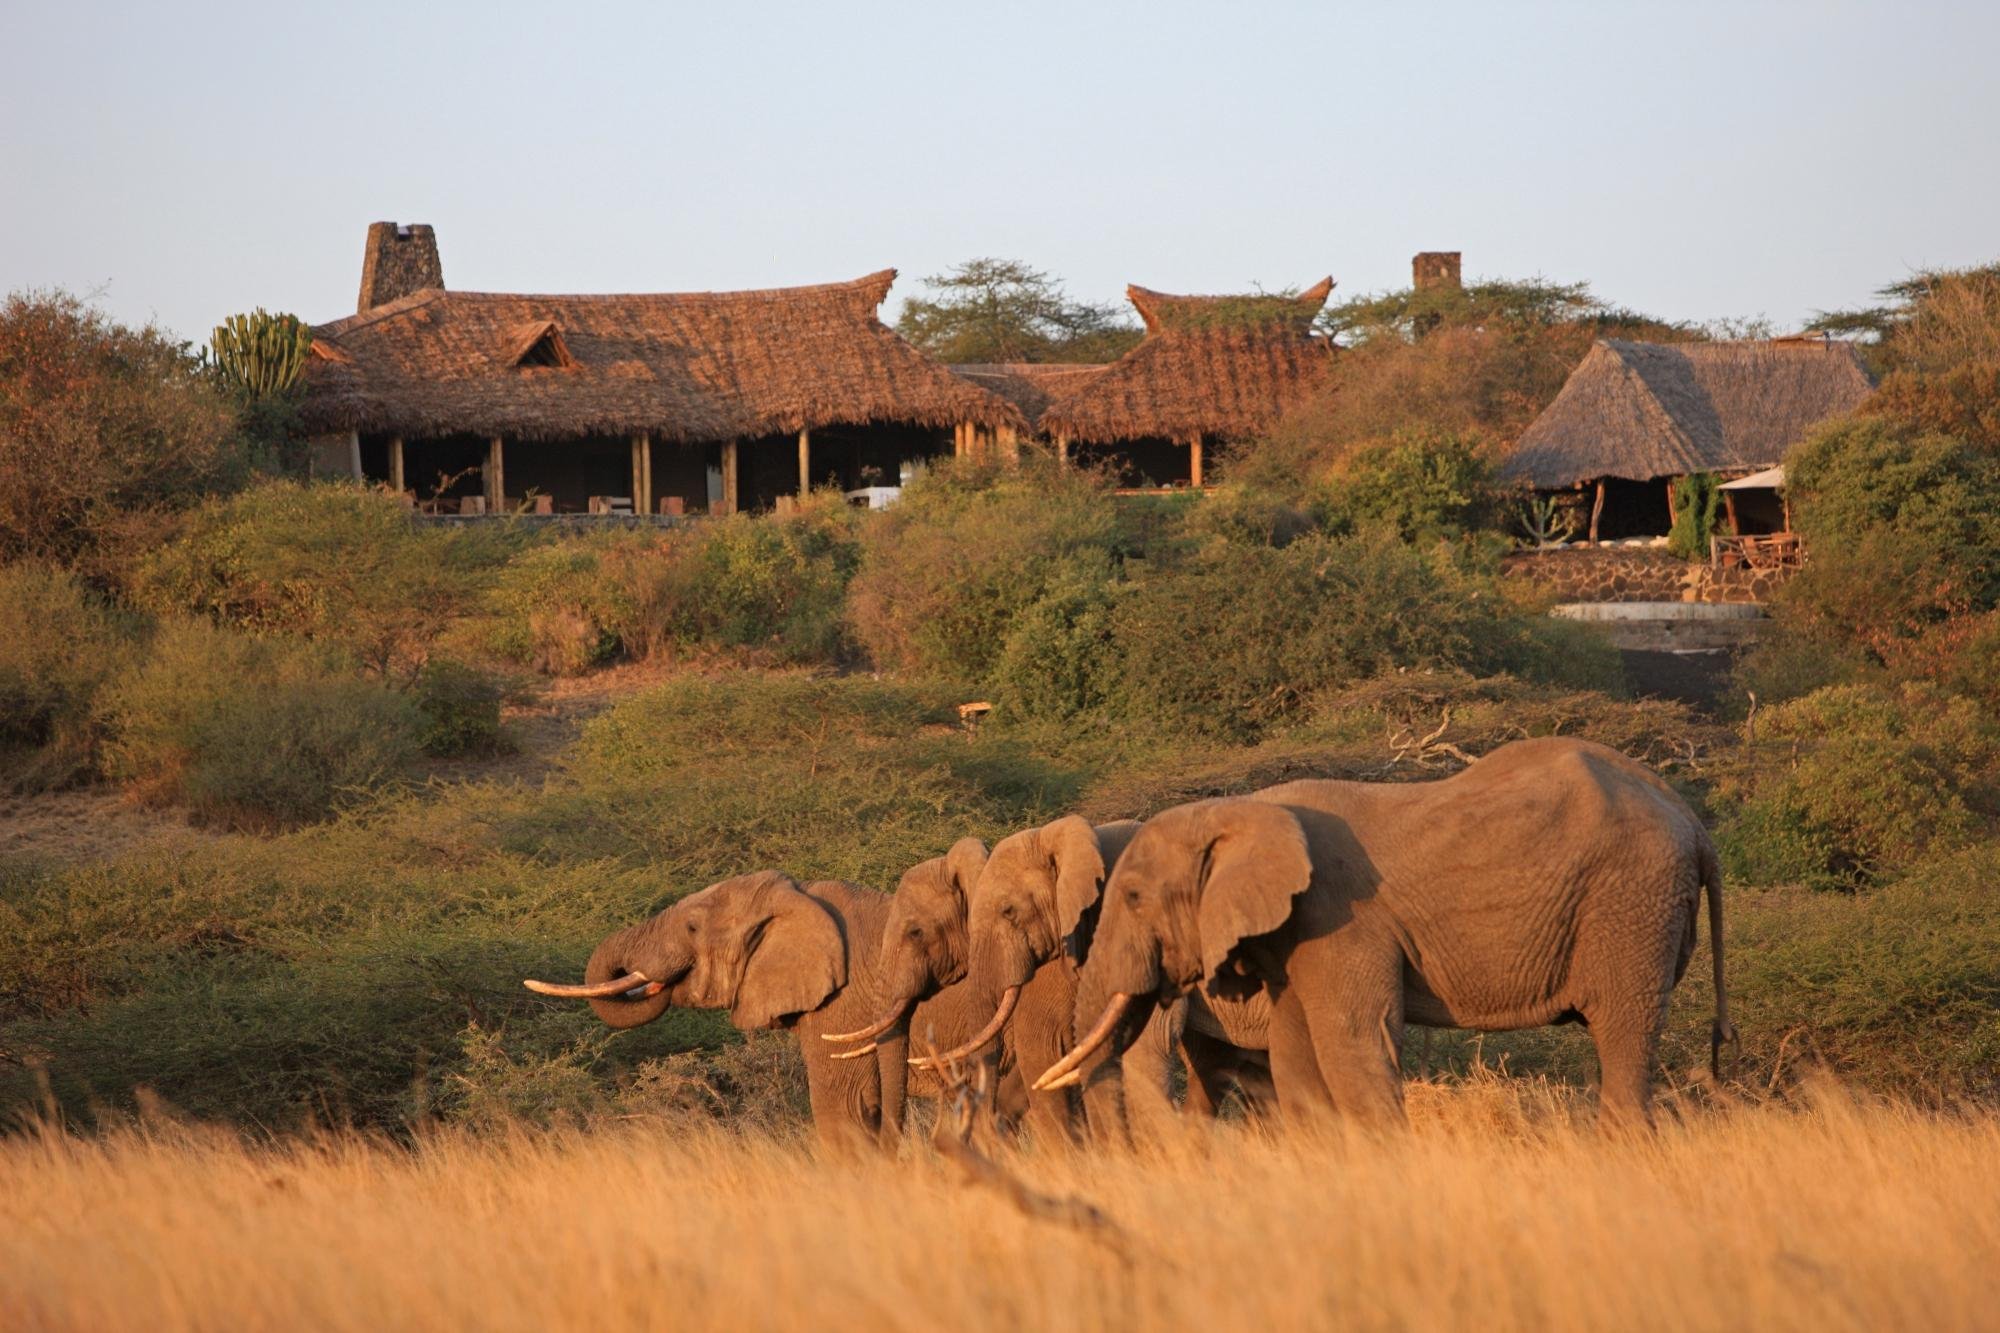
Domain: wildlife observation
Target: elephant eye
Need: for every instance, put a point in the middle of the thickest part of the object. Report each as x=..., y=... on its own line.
x=1007, y=912
x=1131, y=897
x=915, y=932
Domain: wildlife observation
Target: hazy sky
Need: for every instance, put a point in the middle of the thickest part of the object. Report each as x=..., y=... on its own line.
x=1691, y=160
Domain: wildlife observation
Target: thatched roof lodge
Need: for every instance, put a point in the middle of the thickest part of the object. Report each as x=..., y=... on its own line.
x=1210, y=370
x=1633, y=416
x=682, y=402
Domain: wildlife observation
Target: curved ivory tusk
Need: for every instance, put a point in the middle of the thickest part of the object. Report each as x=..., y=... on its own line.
x=856, y=1053
x=1069, y=1080
x=875, y=1029
x=1055, y=1076
x=1008, y=998
x=633, y=985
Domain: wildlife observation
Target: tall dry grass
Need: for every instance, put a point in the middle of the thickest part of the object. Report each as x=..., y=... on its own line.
x=1502, y=1209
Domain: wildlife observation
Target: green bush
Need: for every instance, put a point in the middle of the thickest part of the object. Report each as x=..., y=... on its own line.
x=945, y=573
x=332, y=562
x=1870, y=779
x=460, y=707
x=1423, y=484
x=1903, y=530
x=1060, y=659
x=249, y=730
x=1243, y=637
x=1696, y=497
x=778, y=583
x=554, y=610
x=59, y=644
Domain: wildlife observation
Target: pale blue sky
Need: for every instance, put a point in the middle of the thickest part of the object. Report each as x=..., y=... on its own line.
x=1692, y=160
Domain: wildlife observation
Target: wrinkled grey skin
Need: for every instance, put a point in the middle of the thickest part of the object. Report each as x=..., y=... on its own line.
x=968, y=924
x=1552, y=881
x=776, y=954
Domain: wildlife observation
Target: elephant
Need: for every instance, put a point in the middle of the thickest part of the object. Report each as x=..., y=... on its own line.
x=1552, y=881
x=774, y=954
x=1006, y=930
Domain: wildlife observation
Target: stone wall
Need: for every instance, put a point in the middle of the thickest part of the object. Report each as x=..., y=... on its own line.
x=1644, y=574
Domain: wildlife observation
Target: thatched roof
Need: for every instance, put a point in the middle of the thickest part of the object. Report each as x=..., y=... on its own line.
x=1225, y=366
x=683, y=366
x=1030, y=385
x=1646, y=410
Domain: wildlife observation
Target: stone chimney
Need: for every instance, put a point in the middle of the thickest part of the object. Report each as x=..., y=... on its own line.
x=399, y=260
x=1435, y=268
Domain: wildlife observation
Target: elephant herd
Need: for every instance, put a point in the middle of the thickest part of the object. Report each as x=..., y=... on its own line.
x=1278, y=942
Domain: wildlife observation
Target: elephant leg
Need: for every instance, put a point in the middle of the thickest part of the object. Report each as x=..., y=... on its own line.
x=1303, y=1097
x=1627, y=1035
x=1352, y=994
x=1211, y=1066
x=1146, y=1076
x=846, y=1105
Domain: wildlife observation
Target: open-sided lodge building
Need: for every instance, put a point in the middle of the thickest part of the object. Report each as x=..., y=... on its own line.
x=1633, y=417
x=1210, y=370
x=672, y=403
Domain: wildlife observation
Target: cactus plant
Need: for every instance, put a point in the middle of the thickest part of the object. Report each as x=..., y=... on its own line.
x=1548, y=521
x=260, y=354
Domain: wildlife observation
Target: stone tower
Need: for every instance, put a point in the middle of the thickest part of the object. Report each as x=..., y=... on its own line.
x=398, y=261
x=1435, y=268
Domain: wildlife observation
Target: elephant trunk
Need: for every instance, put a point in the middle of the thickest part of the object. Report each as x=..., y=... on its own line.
x=628, y=952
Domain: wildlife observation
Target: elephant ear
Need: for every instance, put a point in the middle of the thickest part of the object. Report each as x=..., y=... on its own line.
x=1256, y=862
x=1079, y=864
x=794, y=956
x=962, y=865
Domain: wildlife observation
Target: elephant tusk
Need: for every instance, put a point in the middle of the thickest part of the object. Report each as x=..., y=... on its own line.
x=875, y=1029
x=1058, y=1074
x=633, y=986
x=1008, y=998
x=855, y=1053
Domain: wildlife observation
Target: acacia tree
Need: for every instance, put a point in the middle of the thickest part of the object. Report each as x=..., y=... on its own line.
x=1003, y=310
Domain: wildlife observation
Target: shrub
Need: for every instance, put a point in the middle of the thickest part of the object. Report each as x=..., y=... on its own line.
x=58, y=645
x=1904, y=532
x=247, y=730
x=1423, y=484
x=1875, y=778
x=1060, y=658
x=1695, y=500
x=96, y=419
x=945, y=573
x=554, y=610
x=778, y=583
x=329, y=561
x=460, y=707
x=1242, y=637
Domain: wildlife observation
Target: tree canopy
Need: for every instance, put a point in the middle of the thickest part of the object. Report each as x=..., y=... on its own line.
x=987, y=310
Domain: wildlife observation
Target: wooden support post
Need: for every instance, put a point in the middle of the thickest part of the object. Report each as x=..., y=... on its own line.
x=396, y=464
x=729, y=497
x=641, y=497
x=1062, y=449
x=496, y=480
x=1007, y=443
x=1729, y=508
x=1596, y=509
x=354, y=453
x=805, y=464
x=1673, y=515
x=1194, y=461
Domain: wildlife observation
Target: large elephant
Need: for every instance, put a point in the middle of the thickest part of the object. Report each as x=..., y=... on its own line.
x=1005, y=931
x=774, y=954
x=1552, y=881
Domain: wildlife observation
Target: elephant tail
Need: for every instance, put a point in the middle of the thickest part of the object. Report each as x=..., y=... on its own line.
x=1722, y=1031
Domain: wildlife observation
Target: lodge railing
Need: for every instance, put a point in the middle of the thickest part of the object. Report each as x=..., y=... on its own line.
x=1777, y=550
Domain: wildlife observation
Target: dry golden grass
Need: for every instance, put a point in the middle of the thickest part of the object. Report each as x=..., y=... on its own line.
x=1502, y=1209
